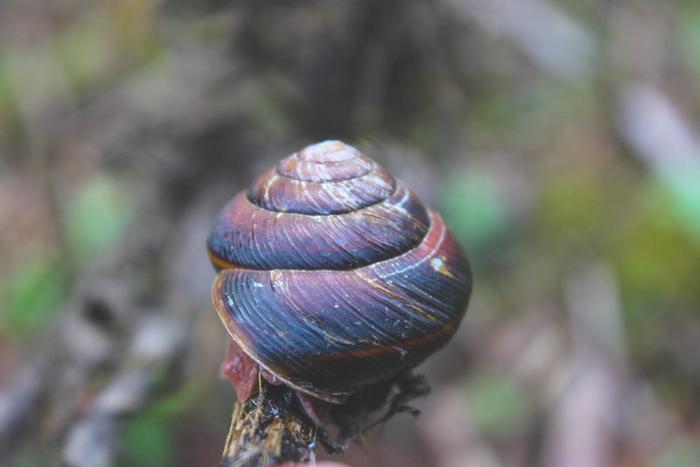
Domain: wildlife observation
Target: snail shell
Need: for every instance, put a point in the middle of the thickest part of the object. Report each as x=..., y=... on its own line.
x=333, y=275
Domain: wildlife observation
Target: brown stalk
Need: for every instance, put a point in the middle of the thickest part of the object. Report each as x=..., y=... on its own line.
x=268, y=430
x=271, y=428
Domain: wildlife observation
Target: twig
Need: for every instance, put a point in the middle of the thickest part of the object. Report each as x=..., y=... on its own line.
x=272, y=428
x=268, y=430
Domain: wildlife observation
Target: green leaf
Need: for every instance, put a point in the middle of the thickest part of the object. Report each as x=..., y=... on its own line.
x=684, y=187
x=148, y=441
x=32, y=294
x=496, y=404
x=179, y=401
x=473, y=208
x=97, y=216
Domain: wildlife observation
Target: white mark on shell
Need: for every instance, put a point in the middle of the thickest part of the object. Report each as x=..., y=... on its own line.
x=270, y=182
x=401, y=351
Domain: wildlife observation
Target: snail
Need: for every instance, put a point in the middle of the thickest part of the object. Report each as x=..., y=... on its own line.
x=333, y=276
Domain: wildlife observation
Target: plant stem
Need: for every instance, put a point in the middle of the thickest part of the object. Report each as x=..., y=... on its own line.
x=268, y=430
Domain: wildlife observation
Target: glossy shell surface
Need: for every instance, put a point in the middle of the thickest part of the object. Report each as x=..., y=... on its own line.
x=333, y=275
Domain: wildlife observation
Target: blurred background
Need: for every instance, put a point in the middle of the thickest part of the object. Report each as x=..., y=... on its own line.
x=560, y=139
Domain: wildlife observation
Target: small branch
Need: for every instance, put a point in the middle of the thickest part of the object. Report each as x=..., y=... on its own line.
x=268, y=429
x=272, y=428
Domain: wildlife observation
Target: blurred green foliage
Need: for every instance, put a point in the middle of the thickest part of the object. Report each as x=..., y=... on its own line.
x=689, y=28
x=473, y=207
x=7, y=103
x=682, y=451
x=497, y=406
x=85, y=61
x=657, y=260
x=33, y=291
x=527, y=113
x=684, y=187
x=148, y=441
x=32, y=294
x=572, y=210
x=97, y=216
x=150, y=434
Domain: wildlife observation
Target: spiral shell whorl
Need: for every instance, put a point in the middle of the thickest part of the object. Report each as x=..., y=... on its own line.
x=329, y=161
x=322, y=179
x=339, y=223
x=335, y=275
